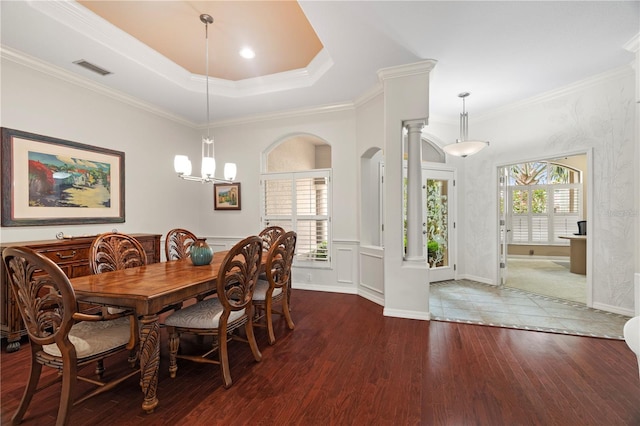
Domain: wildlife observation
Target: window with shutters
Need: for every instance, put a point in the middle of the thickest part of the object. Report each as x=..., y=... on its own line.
x=546, y=202
x=300, y=201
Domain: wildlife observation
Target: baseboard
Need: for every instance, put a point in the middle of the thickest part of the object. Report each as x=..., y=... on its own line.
x=536, y=257
x=330, y=289
x=613, y=309
x=478, y=279
x=398, y=313
x=378, y=299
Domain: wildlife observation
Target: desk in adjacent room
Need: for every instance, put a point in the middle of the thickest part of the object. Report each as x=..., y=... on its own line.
x=577, y=253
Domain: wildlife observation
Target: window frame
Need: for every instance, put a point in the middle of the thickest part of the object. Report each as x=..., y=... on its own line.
x=550, y=214
x=291, y=220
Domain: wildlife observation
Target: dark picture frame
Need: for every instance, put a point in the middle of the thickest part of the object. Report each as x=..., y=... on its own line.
x=226, y=196
x=50, y=181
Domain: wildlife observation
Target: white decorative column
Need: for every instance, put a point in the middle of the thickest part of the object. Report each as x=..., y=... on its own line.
x=415, y=202
x=406, y=104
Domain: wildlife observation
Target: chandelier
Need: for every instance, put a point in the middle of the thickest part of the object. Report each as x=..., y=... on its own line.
x=464, y=147
x=181, y=163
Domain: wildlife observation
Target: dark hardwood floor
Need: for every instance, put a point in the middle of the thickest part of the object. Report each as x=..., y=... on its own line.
x=347, y=364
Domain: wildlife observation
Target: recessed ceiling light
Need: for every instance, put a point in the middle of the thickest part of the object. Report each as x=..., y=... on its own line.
x=247, y=53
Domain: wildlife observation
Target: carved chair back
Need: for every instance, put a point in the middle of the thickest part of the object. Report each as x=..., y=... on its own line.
x=178, y=243
x=279, y=260
x=269, y=235
x=238, y=274
x=113, y=251
x=43, y=294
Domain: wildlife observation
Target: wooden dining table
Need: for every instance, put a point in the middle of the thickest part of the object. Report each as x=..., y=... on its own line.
x=148, y=290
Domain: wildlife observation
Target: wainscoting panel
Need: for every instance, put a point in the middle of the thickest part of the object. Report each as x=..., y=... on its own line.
x=371, y=284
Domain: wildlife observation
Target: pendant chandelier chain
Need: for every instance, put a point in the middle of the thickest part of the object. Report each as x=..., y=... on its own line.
x=181, y=163
x=206, y=68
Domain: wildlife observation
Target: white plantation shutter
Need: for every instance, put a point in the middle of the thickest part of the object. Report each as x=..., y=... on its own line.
x=558, y=217
x=567, y=210
x=539, y=229
x=519, y=229
x=278, y=202
x=300, y=201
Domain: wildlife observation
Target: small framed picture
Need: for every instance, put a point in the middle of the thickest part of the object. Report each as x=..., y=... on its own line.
x=226, y=196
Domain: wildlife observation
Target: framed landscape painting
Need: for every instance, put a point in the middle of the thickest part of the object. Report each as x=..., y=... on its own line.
x=49, y=181
x=226, y=196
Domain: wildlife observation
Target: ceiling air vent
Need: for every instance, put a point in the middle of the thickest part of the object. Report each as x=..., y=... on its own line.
x=92, y=67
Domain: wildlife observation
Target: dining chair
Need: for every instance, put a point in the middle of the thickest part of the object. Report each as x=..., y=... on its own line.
x=274, y=289
x=221, y=316
x=269, y=235
x=178, y=243
x=60, y=336
x=113, y=251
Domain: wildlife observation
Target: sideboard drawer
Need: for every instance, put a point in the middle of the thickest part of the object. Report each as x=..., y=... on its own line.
x=63, y=255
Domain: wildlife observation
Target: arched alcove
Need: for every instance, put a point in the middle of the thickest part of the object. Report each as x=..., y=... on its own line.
x=297, y=193
x=371, y=175
x=297, y=153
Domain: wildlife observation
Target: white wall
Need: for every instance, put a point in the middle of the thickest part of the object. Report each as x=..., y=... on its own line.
x=244, y=143
x=597, y=114
x=155, y=199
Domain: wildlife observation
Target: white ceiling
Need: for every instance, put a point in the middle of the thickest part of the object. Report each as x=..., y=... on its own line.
x=502, y=52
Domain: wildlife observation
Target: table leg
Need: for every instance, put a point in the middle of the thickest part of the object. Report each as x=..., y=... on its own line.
x=149, y=361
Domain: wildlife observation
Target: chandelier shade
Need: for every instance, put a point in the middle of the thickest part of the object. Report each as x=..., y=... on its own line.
x=181, y=163
x=463, y=147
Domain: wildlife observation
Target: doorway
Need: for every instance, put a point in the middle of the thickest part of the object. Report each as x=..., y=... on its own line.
x=540, y=203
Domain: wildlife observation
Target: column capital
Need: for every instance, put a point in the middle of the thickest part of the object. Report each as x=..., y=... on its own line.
x=412, y=124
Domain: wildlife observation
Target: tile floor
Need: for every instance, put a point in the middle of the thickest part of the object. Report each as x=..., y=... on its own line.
x=478, y=303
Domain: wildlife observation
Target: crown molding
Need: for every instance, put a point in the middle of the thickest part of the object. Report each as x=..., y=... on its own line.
x=20, y=58
x=407, y=70
x=89, y=25
x=293, y=113
x=295, y=79
x=550, y=95
x=369, y=95
x=633, y=45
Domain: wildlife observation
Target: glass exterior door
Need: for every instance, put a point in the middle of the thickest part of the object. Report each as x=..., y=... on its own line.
x=439, y=224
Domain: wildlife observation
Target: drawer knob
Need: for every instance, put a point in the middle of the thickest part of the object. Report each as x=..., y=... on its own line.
x=69, y=256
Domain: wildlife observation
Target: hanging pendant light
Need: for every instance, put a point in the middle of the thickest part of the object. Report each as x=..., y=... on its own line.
x=464, y=147
x=181, y=163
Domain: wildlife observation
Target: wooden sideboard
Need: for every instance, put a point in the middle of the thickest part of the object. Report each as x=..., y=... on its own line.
x=72, y=255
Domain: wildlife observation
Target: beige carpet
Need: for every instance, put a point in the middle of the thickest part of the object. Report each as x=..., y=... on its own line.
x=546, y=277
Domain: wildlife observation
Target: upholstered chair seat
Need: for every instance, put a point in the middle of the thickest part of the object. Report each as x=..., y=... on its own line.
x=91, y=338
x=202, y=315
x=262, y=287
